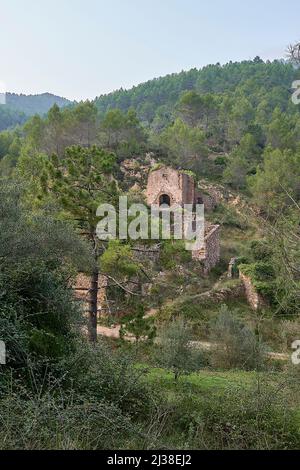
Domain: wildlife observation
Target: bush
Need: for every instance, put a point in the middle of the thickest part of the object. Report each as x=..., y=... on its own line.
x=290, y=332
x=260, y=250
x=95, y=399
x=241, y=419
x=110, y=375
x=173, y=253
x=39, y=309
x=262, y=275
x=227, y=216
x=62, y=421
x=235, y=345
x=221, y=161
x=175, y=350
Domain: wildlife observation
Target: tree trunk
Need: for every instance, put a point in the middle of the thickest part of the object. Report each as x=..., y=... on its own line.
x=93, y=306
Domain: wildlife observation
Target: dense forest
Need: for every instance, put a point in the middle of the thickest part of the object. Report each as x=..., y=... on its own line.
x=193, y=366
x=159, y=96
x=231, y=123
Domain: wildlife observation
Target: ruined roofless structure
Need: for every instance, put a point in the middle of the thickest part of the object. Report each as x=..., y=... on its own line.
x=167, y=186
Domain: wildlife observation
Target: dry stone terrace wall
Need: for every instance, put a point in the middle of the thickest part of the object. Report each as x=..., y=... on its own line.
x=255, y=300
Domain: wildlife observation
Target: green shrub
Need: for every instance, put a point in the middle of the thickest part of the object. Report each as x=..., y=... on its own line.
x=260, y=250
x=40, y=308
x=61, y=421
x=173, y=253
x=235, y=345
x=175, y=352
x=221, y=161
x=262, y=275
x=227, y=216
x=241, y=419
x=109, y=375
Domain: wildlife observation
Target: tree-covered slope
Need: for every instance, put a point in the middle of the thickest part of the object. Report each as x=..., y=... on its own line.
x=160, y=95
x=10, y=118
x=34, y=104
x=19, y=108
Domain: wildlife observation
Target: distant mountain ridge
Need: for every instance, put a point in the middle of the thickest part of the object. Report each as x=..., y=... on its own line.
x=155, y=100
x=19, y=108
x=34, y=104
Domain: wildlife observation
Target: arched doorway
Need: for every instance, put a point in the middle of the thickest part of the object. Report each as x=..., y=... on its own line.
x=165, y=200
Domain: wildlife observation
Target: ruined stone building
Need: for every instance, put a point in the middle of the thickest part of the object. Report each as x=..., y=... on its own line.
x=170, y=187
x=167, y=186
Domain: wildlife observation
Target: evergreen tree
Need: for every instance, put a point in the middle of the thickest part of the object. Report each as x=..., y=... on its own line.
x=81, y=181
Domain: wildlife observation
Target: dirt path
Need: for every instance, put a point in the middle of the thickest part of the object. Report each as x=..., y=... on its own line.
x=114, y=333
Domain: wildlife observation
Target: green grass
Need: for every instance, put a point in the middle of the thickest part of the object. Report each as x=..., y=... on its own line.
x=204, y=380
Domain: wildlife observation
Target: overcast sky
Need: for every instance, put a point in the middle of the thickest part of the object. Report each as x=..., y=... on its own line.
x=83, y=48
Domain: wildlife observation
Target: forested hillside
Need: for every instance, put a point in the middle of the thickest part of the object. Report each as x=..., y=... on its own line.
x=19, y=108
x=10, y=118
x=158, y=97
x=34, y=104
x=231, y=123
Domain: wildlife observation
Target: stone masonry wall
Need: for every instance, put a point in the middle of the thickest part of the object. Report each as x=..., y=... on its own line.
x=209, y=202
x=210, y=254
x=164, y=181
x=178, y=186
x=188, y=189
x=82, y=291
x=255, y=300
x=212, y=249
x=181, y=189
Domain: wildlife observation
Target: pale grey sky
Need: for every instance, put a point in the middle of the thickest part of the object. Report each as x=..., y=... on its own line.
x=82, y=48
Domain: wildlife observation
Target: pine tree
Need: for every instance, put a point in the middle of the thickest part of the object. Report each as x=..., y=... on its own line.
x=81, y=181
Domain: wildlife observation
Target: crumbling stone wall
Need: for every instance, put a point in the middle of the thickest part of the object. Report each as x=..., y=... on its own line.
x=255, y=300
x=209, y=202
x=181, y=189
x=210, y=254
x=212, y=249
x=83, y=284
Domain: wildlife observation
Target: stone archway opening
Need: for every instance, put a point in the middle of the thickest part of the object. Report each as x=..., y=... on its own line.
x=165, y=200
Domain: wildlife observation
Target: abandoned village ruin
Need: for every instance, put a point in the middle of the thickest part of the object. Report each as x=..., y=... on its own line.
x=169, y=186
x=165, y=186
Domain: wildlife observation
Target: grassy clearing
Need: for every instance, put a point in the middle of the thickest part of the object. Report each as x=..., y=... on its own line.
x=202, y=381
